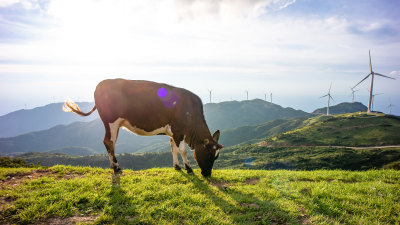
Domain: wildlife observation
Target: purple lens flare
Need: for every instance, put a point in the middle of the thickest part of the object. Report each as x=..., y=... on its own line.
x=162, y=92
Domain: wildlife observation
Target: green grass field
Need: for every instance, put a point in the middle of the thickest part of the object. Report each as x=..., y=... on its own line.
x=65, y=194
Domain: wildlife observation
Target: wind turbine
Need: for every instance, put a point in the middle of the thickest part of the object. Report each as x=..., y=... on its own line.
x=390, y=107
x=373, y=98
x=247, y=94
x=210, y=94
x=352, y=93
x=372, y=74
x=329, y=98
x=271, y=97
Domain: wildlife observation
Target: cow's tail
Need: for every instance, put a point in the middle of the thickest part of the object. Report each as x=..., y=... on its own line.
x=70, y=106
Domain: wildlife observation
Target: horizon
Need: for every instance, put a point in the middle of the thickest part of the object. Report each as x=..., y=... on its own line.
x=52, y=50
x=310, y=110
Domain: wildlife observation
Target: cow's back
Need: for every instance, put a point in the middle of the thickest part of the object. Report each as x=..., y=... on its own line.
x=145, y=104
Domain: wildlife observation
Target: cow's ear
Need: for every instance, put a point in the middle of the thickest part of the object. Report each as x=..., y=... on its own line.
x=216, y=136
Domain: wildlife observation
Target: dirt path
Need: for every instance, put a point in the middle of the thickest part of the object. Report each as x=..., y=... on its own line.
x=368, y=147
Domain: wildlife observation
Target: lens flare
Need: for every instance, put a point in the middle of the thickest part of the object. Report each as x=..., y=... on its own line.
x=168, y=98
x=162, y=92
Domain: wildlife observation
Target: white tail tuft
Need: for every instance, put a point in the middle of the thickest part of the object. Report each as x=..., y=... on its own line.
x=70, y=106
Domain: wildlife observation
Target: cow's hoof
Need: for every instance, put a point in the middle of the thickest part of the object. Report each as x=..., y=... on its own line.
x=188, y=169
x=177, y=167
x=118, y=171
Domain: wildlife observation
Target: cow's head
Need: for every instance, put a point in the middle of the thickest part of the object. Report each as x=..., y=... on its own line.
x=207, y=153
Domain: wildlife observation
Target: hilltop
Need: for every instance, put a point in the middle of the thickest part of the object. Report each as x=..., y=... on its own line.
x=232, y=114
x=69, y=195
x=341, y=108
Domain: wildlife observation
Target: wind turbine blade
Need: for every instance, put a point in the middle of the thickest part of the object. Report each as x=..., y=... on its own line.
x=323, y=96
x=362, y=80
x=370, y=64
x=332, y=98
x=330, y=88
x=384, y=76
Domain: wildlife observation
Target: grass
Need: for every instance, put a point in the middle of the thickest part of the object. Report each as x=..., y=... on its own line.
x=352, y=129
x=166, y=196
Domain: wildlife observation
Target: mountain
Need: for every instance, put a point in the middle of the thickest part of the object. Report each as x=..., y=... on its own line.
x=40, y=118
x=227, y=115
x=352, y=129
x=341, y=108
x=90, y=134
x=224, y=115
x=79, y=134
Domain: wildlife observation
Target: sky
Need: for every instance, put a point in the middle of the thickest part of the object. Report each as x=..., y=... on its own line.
x=51, y=50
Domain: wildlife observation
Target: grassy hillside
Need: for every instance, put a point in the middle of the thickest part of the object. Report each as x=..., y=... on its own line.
x=341, y=108
x=163, y=196
x=255, y=133
x=353, y=129
x=308, y=158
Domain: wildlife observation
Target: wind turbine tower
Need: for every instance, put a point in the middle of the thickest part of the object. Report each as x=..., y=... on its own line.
x=352, y=94
x=372, y=74
x=390, y=107
x=210, y=94
x=329, y=98
x=271, y=97
x=373, y=98
x=247, y=94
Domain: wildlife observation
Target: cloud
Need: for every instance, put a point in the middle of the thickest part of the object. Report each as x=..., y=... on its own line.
x=395, y=73
x=377, y=30
x=26, y=4
x=228, y=8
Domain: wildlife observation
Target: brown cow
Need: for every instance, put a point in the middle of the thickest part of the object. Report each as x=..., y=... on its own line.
x=149, y=108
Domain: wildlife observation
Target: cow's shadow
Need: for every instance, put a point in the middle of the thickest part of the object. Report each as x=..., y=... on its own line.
x=120, y=208
x=235, y=204
x=240, y=206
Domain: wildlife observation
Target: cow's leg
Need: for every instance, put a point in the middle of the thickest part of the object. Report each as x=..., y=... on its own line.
x=109, y=141
x=183, y=151
x=174, y=150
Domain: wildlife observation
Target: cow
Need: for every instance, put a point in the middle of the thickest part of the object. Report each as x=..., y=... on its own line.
x=149, y=108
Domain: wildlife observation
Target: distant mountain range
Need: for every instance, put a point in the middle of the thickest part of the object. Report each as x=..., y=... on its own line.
x=240, y=122
x=90, y=135
x=345, y=107
x=224, y=115
x=40, y=118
